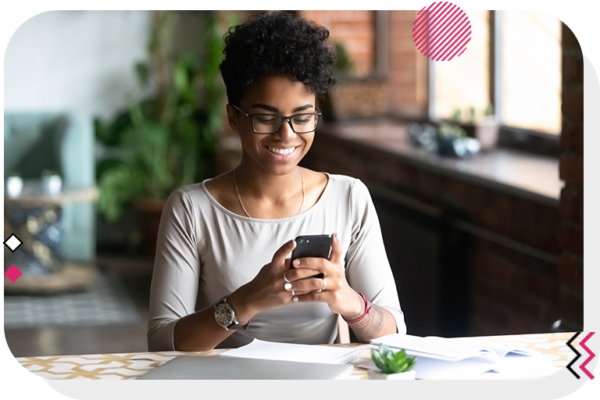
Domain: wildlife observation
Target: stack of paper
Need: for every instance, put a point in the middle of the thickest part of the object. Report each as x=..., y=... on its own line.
x=294, y=352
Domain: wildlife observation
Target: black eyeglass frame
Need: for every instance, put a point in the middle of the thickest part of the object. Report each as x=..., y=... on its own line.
x=288, y=119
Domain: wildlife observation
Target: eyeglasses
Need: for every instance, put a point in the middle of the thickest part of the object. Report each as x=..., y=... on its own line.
x=270, y=123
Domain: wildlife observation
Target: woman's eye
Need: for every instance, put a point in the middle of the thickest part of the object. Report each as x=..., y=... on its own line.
x=266, y=120
x=302, y=120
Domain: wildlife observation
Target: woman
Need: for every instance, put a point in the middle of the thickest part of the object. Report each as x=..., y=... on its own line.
x=221, y=276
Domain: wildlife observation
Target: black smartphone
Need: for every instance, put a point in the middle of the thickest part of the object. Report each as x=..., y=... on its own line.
x=312, y=246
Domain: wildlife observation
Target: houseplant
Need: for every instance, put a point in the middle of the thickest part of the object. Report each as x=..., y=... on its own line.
x=393, y=365
x=166, y=140
x=480, y=125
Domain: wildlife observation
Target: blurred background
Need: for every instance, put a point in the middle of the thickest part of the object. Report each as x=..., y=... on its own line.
x=475, y=165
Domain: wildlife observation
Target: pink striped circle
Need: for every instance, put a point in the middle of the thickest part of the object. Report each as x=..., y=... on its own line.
x=441, y=31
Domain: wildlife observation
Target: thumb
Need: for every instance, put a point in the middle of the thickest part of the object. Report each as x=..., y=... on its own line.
x=279, y=256
x=336, y=250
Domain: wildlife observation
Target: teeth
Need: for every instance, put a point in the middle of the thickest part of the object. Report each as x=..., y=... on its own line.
x=282, y=151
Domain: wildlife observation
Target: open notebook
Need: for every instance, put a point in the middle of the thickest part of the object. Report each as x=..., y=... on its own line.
x=459, y=358
x=294, y=352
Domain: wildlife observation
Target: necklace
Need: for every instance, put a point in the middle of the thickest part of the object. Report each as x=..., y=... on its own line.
x=240, y=197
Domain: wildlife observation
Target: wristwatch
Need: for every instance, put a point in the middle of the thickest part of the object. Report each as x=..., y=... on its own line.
x=225, y=316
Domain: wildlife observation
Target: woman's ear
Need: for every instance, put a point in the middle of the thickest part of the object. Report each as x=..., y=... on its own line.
x=232, y=117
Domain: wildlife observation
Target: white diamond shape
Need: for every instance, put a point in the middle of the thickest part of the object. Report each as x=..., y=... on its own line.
x=13, y=242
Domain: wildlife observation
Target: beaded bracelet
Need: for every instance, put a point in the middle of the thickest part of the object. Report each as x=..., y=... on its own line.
x=364, y=314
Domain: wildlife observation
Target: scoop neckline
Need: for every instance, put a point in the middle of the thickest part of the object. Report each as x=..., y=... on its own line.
x=264, y=220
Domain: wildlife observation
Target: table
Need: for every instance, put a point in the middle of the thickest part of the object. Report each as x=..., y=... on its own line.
x=131, y=365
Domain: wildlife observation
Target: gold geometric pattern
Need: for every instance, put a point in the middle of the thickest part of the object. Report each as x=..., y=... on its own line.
x=131, y=365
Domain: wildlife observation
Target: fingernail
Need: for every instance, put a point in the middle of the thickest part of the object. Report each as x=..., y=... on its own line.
x=296, y=262
x=295, y=299
x=335, y=236
x=290, y=243
x=287, y=286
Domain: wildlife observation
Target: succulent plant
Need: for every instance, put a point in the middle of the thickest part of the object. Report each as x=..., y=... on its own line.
x=390, y=362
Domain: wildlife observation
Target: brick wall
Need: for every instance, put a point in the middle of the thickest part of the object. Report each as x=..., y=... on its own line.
x=571, y=171
x=407, y=75
x=353, y=28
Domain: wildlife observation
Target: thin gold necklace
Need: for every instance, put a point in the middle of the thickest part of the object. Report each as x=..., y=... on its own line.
x=240, y=197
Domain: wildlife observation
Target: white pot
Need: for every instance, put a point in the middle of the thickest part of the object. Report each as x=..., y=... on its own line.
x=53, y=184
x=14, y=185
x=402, y=376
x=486, y=131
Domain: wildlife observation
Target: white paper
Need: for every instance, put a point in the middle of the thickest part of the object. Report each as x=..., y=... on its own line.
x=294, y=352
x=500, y=349
x=430, y=368
x=433, y=347
x=521, y=367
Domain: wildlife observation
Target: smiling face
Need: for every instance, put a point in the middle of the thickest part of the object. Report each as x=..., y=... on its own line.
x=278, y=153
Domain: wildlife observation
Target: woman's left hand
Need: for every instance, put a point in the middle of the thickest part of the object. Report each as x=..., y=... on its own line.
x=338, y=295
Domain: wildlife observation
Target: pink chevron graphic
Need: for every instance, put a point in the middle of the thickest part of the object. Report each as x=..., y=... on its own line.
x=592, y=355
x=441, y=31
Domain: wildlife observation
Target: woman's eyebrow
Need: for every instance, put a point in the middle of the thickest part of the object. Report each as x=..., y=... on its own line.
x=274, y=109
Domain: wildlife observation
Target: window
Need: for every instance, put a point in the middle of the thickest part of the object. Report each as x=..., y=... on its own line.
x=513, y=63
x=463, y=82
x=531, y=70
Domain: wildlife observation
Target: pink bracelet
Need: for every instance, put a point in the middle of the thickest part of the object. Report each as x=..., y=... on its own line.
x=364, y=314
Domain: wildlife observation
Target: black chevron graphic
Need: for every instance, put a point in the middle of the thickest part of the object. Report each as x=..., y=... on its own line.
x=576, y=352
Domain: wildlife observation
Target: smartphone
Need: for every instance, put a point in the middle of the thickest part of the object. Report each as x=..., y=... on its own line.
x=312, y=246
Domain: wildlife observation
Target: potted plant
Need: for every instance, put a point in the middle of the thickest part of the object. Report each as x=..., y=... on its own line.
x=480, y=125
x=168, y=140
x=393, y=365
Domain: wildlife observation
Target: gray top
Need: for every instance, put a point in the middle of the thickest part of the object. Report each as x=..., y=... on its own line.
x=205, y=252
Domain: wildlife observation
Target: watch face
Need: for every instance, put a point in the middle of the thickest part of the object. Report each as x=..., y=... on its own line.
x=223, y=315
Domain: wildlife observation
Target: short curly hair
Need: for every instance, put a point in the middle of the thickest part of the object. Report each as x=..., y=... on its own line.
x=277, y=44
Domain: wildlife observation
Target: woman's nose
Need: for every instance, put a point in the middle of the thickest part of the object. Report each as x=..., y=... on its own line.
x=285, y=129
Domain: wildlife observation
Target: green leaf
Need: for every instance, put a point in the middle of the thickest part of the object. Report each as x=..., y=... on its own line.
x=142, y=71
x=180, y=77
x=376, y=357
x=390, y=362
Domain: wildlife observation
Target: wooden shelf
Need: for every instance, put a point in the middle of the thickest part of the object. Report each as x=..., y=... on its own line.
x=32, y=196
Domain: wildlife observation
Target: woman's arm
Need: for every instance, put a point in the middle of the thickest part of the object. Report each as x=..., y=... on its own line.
x=373, y=322
x=199, y=331
x=367, y=320
x=367, y=271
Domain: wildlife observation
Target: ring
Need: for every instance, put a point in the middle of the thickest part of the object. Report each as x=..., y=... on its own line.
x=285, y=279
x=293, y=293
x=323, y=288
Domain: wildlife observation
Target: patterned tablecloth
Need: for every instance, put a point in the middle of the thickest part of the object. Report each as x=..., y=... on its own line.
x=131, y=365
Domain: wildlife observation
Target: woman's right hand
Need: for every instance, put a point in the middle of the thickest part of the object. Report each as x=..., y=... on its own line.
x=267, y=290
